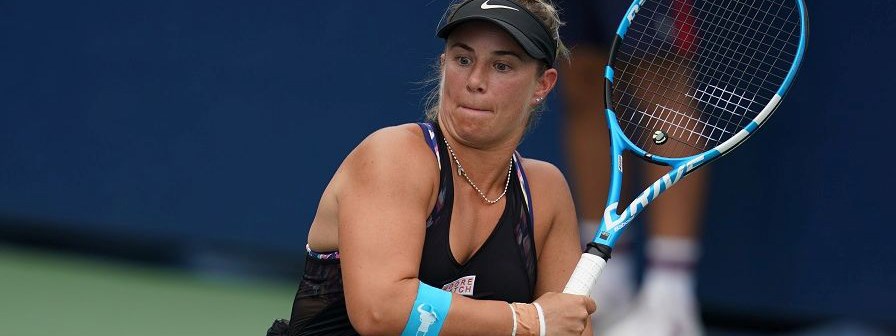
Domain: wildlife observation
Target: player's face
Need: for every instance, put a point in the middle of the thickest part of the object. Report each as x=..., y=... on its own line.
x=489, y=84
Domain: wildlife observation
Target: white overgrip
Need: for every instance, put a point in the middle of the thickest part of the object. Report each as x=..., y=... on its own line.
x=587, y=271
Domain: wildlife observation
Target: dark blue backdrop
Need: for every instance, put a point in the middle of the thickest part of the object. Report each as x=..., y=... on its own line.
x=221, y=121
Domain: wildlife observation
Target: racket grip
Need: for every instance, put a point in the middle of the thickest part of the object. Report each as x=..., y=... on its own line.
x=587, y=271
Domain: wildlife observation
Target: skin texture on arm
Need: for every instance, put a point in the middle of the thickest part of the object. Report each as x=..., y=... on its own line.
x=557, y=240
x=382, y=209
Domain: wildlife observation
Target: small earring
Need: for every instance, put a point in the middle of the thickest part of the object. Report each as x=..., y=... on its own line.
x=538, y=100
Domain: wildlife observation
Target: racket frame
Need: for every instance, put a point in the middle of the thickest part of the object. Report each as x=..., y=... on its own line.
x=613, y=222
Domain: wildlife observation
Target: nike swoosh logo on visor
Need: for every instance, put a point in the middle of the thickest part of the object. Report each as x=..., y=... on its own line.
x=485, y=5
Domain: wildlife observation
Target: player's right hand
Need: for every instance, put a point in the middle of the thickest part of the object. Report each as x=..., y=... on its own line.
x=566, y=314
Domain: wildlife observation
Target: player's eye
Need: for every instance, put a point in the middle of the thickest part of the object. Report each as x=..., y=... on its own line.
x=463, y=60
x=502, y=67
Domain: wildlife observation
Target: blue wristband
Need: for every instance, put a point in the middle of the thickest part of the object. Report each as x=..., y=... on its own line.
x=428, y=312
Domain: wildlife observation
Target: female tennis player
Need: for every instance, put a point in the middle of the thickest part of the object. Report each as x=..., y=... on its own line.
x=442, y=228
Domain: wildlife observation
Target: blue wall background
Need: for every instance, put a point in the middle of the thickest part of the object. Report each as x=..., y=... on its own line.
x=220, y=123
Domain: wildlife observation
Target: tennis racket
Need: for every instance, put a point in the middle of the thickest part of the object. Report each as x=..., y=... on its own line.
x=687, y=82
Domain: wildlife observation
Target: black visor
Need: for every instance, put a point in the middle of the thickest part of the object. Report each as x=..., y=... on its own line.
x=528, y=31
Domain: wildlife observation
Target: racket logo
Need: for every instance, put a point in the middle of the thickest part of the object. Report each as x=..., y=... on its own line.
x=485, y=5
x=647, y=195
x=635, y=9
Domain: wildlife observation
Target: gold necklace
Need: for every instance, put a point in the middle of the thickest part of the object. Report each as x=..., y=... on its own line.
x=462, y=172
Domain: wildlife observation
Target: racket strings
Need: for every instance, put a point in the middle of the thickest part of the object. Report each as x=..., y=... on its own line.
x=749, y=62
x=743, y=25
x=704, y=92
x=700, y=71
x=719, y=97
x=778, y=64
x=652, y=20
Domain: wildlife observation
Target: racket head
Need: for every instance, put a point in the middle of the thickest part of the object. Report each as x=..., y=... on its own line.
x=686, y=77
x=689, y=80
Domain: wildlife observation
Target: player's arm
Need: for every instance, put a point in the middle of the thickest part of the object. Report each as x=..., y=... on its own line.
x=385, y=194
x=557, y=237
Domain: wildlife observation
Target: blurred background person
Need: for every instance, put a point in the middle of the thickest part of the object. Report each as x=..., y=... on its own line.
x=665, y=303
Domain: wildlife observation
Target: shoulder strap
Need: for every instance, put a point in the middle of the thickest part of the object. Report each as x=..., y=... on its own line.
x=524, y=184
x=429, y=134
x=524, y=232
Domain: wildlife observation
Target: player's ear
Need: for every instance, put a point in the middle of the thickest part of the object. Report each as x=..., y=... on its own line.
x=546, y=82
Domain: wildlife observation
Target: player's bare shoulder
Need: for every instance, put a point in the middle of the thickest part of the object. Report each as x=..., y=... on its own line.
x=396, y=154
x=392, y=160
x=544, y=178
x=550, y=192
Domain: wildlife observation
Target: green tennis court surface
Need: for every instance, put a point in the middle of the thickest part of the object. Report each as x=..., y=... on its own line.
x=51, y=293
x=45, y=293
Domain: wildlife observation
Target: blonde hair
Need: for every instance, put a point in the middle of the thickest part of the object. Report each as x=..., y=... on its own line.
x=547, y=13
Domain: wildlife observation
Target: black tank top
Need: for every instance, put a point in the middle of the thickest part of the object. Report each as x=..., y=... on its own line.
x=504, y=268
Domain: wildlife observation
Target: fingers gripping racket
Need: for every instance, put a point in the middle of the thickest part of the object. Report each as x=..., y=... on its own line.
x=687, y=82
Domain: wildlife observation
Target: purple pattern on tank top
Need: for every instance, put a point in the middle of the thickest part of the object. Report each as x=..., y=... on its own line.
x=430, y=136
x=437, y=209
x=523, y=231
x=322, y=256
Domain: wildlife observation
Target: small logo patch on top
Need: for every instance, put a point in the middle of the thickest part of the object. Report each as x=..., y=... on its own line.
x=462, y=286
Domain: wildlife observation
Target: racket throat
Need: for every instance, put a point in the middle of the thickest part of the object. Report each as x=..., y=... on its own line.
x=599, y=250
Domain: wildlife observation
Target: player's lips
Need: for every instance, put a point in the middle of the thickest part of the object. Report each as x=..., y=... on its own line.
x=473, y=110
